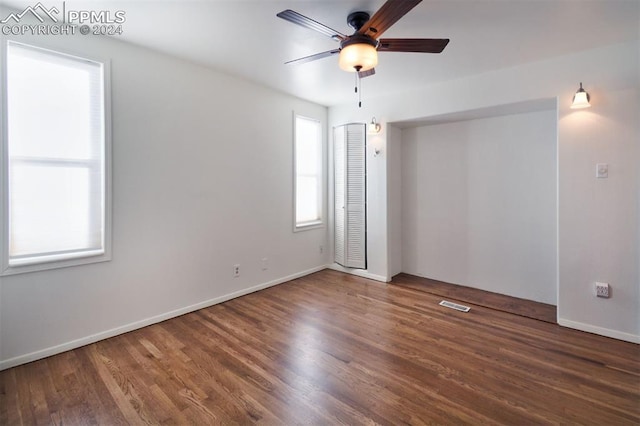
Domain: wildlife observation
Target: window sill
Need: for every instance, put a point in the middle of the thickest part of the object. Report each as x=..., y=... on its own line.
x=42, y=265
x=308, y=226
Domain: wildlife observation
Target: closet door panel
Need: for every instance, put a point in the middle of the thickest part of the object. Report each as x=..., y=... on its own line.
x=339, y=194
x=350, y=195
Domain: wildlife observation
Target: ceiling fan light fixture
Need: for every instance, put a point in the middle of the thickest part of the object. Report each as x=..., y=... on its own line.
x=358, y=57
x=358, y=52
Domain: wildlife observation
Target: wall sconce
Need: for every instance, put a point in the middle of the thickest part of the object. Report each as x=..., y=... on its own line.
x=374, y=126
x=580, y=99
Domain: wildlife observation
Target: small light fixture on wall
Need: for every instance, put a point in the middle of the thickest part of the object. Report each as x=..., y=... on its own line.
x=580, y=99
x=373, y=129
x=374, y=126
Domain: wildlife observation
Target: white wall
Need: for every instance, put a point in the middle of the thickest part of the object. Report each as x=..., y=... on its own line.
x=202, y=180
x=479, y=204
x=395, y=199
x=597, y=220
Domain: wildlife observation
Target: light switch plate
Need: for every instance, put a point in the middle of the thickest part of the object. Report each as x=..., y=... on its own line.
x=602, y=170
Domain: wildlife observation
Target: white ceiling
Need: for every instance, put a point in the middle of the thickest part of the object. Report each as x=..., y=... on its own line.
x=245, y=38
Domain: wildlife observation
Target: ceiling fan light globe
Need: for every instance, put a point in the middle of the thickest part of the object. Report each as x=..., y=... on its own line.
x=358, y=57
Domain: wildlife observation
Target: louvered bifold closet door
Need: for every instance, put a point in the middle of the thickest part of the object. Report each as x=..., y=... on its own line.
x=339, y=155
x=350, y=196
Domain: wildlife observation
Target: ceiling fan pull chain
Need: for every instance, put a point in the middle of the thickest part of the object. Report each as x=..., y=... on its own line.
x=358, y=85
x=359, y=90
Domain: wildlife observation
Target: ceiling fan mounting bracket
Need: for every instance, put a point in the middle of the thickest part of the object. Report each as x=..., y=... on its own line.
x=357, y=19
x=359, y=39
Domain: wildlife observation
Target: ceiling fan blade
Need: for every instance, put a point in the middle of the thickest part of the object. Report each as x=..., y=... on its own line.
x=313, y=57
x=423, y=45
x=386, y=16
x=367, y=73
x=303, y=21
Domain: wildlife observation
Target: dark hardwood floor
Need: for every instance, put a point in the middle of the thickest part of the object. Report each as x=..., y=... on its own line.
x=463, y=294
x=332, y=348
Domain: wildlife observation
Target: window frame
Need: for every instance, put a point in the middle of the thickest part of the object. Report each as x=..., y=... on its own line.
x=318, y=223
x=61, y=260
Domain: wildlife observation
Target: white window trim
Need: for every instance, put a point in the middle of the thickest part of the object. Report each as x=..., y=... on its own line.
x=319, y=223
x=59, y=260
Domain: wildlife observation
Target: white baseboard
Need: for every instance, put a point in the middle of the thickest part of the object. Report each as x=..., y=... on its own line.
x=359, y=272
x=627, y=337
x=53, y=350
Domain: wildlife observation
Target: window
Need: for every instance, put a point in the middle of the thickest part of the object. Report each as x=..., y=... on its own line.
x=308, y=173
x=55, y=181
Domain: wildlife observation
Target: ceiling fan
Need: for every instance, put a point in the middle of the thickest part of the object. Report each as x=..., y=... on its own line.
x=358, y=52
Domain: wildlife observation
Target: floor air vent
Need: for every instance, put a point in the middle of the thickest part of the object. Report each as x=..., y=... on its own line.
x=455, y=306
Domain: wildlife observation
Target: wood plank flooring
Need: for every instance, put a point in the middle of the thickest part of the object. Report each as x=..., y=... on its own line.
x=332, y=348
x=513, y=305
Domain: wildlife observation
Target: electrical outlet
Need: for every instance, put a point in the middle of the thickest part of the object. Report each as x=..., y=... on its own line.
x=321, y=249
x=602, y=170
x=602, y=290
x=236, y=270
x=265, y=263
